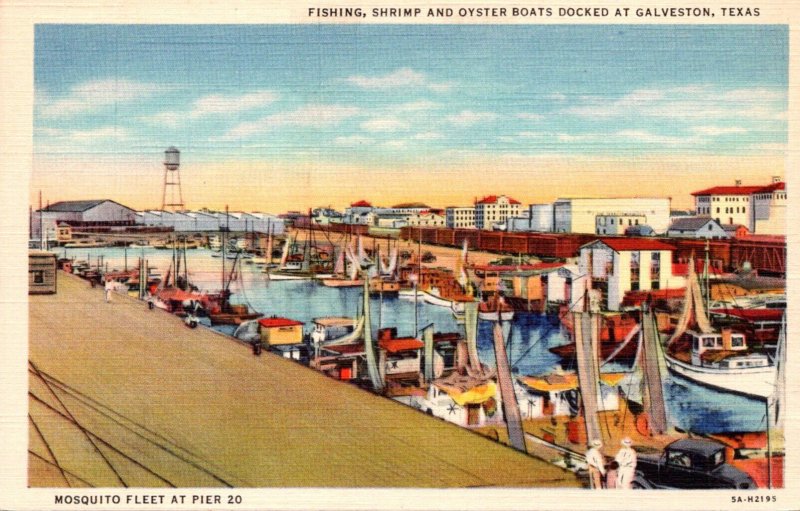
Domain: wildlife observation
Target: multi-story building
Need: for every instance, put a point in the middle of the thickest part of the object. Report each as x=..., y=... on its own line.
x=616, y=266
x=460, y=217
x=429, y=218
x=769, y=209
x=495, y=209
x=579, y=215
x=617, y=223
x=762, y=209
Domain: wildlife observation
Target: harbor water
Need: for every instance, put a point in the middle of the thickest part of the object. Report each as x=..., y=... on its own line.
x=690, y=406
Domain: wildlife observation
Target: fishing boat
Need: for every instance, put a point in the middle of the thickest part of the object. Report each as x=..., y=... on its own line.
x=341, y=276
x=616, y=332
x=495, y=307
x=223, y=312
x=85, y=244
x=299, y=266
x=721, y=360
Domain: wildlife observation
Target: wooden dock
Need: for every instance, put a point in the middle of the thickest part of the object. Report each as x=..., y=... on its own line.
x=121, y=395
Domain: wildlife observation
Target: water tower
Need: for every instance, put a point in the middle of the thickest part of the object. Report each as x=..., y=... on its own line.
x=172, y=180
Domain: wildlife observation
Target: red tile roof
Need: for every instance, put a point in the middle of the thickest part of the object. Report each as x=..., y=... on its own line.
x=401, y=344
x=361, y=204
x=741, y=190
x=278, y=322
x=630, y=244
x=774, y=186
x=492, y=199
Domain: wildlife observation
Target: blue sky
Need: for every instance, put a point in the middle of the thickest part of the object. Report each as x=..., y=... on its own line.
x=363, y=104
x=383, y=93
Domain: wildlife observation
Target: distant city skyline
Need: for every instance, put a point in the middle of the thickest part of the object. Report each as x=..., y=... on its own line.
x=287, y=117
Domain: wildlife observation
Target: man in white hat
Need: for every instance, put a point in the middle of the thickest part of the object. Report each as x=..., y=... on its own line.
x=626, y=457
x=596, y=462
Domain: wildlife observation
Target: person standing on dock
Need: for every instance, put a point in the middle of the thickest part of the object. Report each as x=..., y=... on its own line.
x=596, y=464
x=626, y=457
x=107, y=290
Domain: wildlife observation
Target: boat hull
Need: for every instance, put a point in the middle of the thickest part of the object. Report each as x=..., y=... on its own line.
x=232, y=319
x=492, y=316
x=756, y=382
x=334, y=282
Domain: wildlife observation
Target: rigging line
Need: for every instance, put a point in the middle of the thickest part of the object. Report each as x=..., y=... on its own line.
x=104, y=442
x=536, y=342
x=49, y=449
x=83, y=399
x=85, y=432
x=72, y=474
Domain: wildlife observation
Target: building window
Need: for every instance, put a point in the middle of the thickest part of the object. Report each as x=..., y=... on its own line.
x=38, y=276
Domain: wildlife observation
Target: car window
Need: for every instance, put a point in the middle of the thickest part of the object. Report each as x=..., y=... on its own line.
x=679, y=459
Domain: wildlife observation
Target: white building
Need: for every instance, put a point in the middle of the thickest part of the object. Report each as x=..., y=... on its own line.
x=696, y=227
x=460, y=217
x=616, y=266
x=494, y=209
x=579, y=215
x=769, y=210
x=429, y=218
x=617, y=223
x=81, y=214
x=762, y=209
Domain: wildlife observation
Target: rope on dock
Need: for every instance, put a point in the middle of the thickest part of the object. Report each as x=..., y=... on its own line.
x=71, y=474
x=72, y=419
x=92, y=436
x=167, y=446
x=49, y=450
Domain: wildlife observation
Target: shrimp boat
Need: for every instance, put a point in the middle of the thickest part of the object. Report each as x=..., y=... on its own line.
x=341, y=276
x=721, y=360
x=495, y=305
x=298, y=266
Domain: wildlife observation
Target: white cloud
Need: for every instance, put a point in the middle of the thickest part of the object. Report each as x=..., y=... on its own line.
x=305, y=116
x=396, y=144
x=718, y=130
x=526, y=116
x=558, y=97
x=428, y=135
x=652, y=138
x=403, y=77
x=416, y=106
x=352, y=141
x=94, y=95
x=566, y=137
x=468, y=118
x=217, y=104
x=384, y=124
x=688, y=103
x=101, y=134
x=169, y=119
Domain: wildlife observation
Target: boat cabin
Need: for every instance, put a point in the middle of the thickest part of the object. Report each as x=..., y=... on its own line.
x=463, y=400
x=726, y=349
x=400, y=357
x=280, y=331
x=557, y=395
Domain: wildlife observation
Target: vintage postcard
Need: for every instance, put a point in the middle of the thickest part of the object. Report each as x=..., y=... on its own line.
x=380, y=256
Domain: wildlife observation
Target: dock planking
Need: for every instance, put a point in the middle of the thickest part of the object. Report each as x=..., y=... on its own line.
x=123, y=395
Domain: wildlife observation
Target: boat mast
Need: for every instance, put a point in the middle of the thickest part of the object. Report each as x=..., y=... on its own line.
x=586, y=350
x=507, y=395
x=653, y=395
x=372, y=365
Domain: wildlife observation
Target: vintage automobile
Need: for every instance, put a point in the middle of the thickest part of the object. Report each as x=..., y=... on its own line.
x=690, y=463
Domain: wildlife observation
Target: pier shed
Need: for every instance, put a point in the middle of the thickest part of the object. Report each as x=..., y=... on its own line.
x=41, y=272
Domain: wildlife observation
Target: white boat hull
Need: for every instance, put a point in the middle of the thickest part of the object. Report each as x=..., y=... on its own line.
x=492, y=316
x=749, y=381
x=289, y=276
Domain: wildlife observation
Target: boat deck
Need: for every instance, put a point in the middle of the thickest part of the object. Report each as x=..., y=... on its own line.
x=120, y=394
